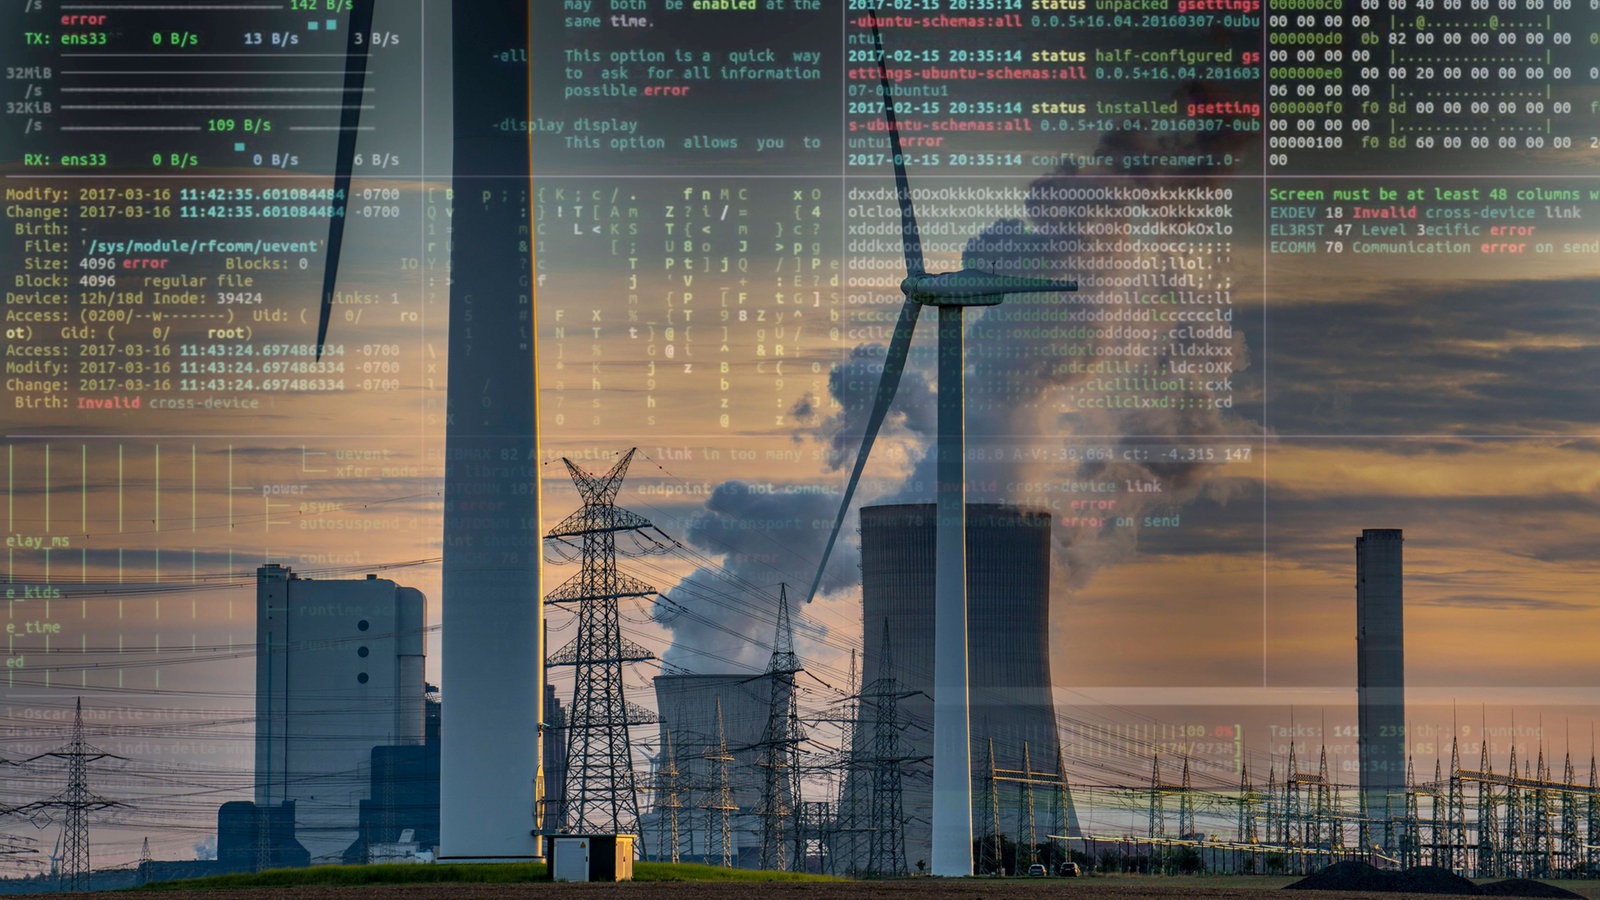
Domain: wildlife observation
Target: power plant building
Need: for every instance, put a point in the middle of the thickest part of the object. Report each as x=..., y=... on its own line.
x=402, y=805
x=1380, y=672
x=1008, y=634
x=339, y=671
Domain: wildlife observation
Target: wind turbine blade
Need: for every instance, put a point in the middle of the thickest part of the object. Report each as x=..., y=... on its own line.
x=910, y=239
x=357, y=42
x=894, y=363
x=969, y=283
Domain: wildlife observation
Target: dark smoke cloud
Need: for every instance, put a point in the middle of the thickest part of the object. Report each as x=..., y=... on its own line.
x=1022, y=419
x=767, y=533
x=853, y=385
x=1018, y=414
x=722, y=619
x=804, y=411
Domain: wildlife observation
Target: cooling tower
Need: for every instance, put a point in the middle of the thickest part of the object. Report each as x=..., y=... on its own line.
x=687, y=706
x=1008, y=634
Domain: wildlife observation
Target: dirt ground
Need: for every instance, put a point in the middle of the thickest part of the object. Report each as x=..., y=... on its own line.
x=913, y=889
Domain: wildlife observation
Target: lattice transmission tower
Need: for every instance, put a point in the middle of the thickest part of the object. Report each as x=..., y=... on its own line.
x=780, y=753
x=1249, y=828
x=1028, y=781
x=886, y=841
x=601, y=791
x=77, y=801
x=847, y=841
x=720, y=806
x=669, y=794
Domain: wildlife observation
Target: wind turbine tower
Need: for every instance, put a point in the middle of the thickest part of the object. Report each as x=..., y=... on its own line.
x=950, y=292
x=492, y=646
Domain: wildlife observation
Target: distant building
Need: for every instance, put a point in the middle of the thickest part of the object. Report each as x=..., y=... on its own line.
x=1008, y=647
x=1381, y=673
x=555, y=759
x=339, y=671
x=241, y=846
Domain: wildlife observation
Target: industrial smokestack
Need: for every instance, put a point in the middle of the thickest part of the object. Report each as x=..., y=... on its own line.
x=1380, y=674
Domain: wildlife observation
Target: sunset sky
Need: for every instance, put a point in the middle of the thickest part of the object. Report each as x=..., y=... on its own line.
x=1452, y=396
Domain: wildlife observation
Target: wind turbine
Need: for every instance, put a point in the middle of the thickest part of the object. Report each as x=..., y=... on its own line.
x=950, y=292
x=357, y=44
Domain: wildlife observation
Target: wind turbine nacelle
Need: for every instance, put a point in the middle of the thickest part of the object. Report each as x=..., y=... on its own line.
x=975, y=287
